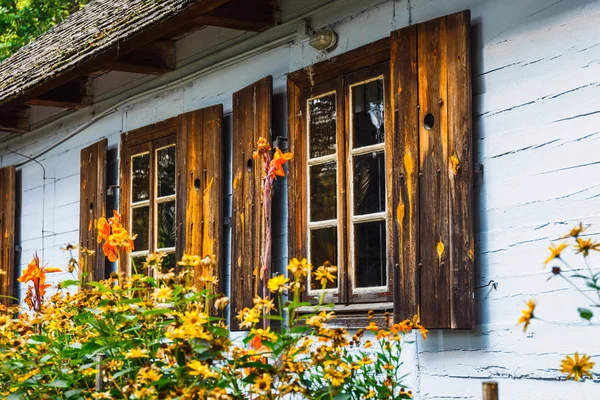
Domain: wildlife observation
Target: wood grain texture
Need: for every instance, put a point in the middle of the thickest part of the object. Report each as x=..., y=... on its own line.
x=7, y=232
x=296, y=177
x=403, y=148
x=92, y=205
x=251, y=121
x=200, y=156
x=433, y=190
x=460, y=171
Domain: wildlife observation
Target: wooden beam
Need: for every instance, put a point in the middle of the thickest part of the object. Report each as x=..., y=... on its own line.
x=155, y=58
x=75, y=94
x=245, y=15
x=15, y=120
x=231, y=23
x=126, y=46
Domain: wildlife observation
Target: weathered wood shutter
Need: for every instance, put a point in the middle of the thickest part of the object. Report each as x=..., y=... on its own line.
x=432, y=172
x=7, y=232
x=200, y=184
x=251, y=121
x=92, y=205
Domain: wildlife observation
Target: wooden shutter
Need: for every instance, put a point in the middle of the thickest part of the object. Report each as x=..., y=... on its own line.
x=432, y=172
x=92, y=205
x=251, y=121
x=7, y=232
x=200, y=184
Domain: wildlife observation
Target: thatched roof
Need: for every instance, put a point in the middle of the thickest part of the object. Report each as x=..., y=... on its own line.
x=100, y=26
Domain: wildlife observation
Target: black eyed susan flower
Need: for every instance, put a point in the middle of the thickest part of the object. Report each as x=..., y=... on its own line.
x=577, y=367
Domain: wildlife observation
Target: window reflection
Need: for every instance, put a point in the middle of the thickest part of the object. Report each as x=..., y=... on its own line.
x=367, y=109
x=140, y=177
x=323, y=192
x=322, y=128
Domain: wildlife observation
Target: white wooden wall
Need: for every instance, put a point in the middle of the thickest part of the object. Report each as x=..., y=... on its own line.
x=537, y=127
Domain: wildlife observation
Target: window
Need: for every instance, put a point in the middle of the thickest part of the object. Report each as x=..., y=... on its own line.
x=380, y=186
x=347, y=209
x=152, y=202
x=173, y=211
x=150, y=196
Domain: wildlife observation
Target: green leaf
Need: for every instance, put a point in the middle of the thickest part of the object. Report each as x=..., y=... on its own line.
x=585, y=313
x=74, y=392
x=59, y=383
x=342, y=396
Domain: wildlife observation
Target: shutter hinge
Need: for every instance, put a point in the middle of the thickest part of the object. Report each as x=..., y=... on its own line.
x=280, y=143
x=478, y=173
x=227, y=222
x=110, y=191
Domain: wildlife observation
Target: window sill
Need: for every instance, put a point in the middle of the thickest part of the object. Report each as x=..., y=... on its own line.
x=355, y=316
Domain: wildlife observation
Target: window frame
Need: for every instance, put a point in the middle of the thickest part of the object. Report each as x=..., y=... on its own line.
x=366, y=63
x=149, y=139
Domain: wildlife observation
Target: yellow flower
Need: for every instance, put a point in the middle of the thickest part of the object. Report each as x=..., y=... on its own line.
x=102, y=395
x=527, y=315
x=262, y=383
x=365, y=361
x=372, y=327
x=221, y=303
x=322, y=274
x=278, y=284
x=555, y=252
x=265, y=334
x=585, y=245
x=198, y=368
x=578, y=367
x=147, y=375
x=576, y=231
x=190, y=261
x=265, y=305
x=137, y=353
x=248, y=317
x=163, y=294
x=299, y=268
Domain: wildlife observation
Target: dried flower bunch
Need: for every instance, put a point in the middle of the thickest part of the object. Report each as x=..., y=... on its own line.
x=575, y=367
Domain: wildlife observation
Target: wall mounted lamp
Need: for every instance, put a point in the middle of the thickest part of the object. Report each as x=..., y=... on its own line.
x=324, y=40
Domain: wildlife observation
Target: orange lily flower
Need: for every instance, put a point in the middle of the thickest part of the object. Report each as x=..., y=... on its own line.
x=279, y=158
x=110, y=252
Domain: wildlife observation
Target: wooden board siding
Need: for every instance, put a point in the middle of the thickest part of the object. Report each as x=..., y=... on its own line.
x=200, y=177
x=251, y=121
x=92, y=205
x=404, y=157
x=7, y=232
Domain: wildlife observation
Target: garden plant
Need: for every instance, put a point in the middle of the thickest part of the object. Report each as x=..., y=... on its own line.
x=163, y=336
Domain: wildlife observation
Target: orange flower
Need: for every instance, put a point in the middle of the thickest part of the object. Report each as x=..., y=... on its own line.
x=279, y=158
x=111, y=252
x=31, y=273
x=256, y=342
x=103, y=229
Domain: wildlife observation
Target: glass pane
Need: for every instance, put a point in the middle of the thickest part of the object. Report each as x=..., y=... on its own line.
x=367, y=117
x=166, y=171
x=322, y=128
x=137, y=265
x=323, y=192
x=140, y=178
x=369, y=183
x=140, y=225
x=166, y=225
x=369, y=248
x=323, y=251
